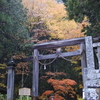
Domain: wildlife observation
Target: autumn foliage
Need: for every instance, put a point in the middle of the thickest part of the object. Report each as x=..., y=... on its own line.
x=50, y=22
x=46, y=93
x=22, y=67
x=61, y=88
x=56, y=97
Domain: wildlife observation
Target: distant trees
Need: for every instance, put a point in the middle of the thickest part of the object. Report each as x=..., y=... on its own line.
x=3, y=74
x=47, y=20
x=86, y=9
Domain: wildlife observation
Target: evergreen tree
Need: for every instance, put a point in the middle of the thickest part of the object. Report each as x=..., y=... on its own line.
x=13, y=31
x=89, y=9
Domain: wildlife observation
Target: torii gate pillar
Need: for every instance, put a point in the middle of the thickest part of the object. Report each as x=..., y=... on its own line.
x=91, y=75
x=35, y=75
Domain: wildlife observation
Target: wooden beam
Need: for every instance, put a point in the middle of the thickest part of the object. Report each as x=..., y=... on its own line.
x=61, y=43
x=51, y=56
x=56, y=44
x=96, y=44
x=96, y=39
x=30, y=58
x=67, y=54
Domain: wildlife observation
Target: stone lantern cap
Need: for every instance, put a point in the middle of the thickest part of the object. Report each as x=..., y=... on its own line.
x=11, y=63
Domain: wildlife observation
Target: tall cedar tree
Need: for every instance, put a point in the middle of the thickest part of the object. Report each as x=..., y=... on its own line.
x=13, y=32
x=13, y=29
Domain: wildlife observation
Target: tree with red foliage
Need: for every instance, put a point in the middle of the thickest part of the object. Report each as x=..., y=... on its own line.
x=62, y=89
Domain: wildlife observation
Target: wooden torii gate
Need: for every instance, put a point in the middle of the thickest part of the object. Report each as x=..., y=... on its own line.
x=91, y=76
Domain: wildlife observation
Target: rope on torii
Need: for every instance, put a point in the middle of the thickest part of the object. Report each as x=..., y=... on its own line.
x=58, y=55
